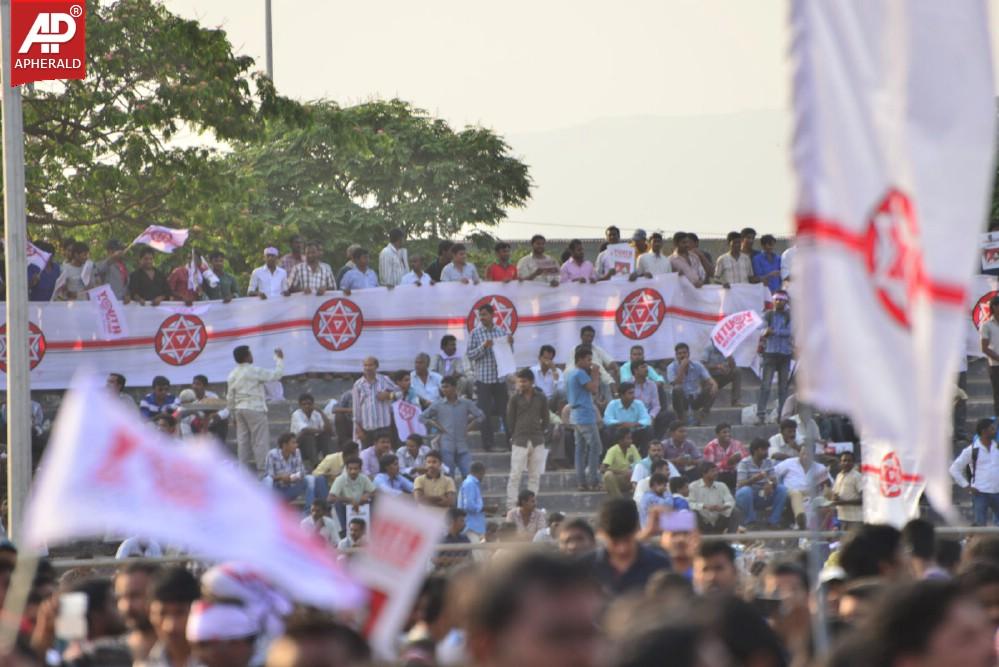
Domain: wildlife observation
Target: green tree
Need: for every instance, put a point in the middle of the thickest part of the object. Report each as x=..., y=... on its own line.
x=351, y=174
x=116, y=152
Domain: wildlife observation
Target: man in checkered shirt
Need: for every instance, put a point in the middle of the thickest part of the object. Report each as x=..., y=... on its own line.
x=312, y=276
x=490, y=389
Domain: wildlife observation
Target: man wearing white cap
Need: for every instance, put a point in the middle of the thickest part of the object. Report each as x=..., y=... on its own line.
x=221, y=635
x=269, y=280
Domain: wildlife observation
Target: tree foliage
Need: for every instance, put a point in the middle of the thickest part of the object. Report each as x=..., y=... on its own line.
x=171, y=127
x=115, y=150
x=352, y=174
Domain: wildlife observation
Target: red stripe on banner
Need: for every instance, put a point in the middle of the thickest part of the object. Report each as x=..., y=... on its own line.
x=876, y=470
x=77, y=345
x=828, y=230
x=861, y=243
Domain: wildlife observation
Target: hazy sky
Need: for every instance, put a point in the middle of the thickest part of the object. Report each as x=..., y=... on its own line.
x=569, y=83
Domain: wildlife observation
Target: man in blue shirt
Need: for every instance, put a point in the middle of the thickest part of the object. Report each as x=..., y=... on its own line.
x=159, y=400
x=361, y=276
x=635, y=357
x=766, y=264
x=470, y=500
x=777, y=351
x=389, y=480
x=42, y=282
x=582, y=384
x=693, y=387
x=631, y=414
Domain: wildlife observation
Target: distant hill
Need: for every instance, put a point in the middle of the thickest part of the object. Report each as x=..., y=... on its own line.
x=707, y=174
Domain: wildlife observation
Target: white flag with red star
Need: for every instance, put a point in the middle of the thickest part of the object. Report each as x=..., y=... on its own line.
x=105, y=470
x=893, y=148
x=162, y=238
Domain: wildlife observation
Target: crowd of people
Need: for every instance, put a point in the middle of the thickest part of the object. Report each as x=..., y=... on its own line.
x=661, y=571
x=194, y=277
x=608, y=594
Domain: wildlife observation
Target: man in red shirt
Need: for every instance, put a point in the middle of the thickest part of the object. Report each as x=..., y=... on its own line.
x=180, y=289
x=502, y=270
x=726, y=452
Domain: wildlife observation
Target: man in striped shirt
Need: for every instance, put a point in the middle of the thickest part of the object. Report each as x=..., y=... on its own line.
x=312, y=276
x=490, y=388
x=372, y=397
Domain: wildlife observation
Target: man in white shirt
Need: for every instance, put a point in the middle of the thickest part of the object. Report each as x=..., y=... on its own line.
x=320, y=523
x=459, y=270
x=654, y=262
x=989, y=332
x=218, y=421
x=799, y=483
x=270, y=280
x=393, y=261
x=313, y=429
x=786, y=444
x=547, y=377
x=246, y=398
x=981, y=459
x=416, y=276
x=734, y=266
x=425, y=382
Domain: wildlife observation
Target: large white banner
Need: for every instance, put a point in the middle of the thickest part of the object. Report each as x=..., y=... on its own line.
x=334, y=333
x=893, y=148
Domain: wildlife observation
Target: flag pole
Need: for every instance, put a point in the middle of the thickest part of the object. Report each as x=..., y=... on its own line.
x=820, y=628
x=16, y=244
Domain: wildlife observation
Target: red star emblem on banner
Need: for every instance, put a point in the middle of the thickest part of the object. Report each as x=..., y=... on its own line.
x=640, y=314
x=337, y=324
x=36, y=346
x=180, y=339
x=982, y=311
x=504, y=313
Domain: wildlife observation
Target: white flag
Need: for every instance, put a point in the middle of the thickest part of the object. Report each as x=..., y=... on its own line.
x=732, y=331
x=891, y=488
x=402, y=540
x=163, y=239
x=37, y=256
x=107, y=470
x=893, y=148
x=407, y=420
x=111, y=321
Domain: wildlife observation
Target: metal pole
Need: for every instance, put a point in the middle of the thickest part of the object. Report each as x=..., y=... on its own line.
x=820, y=629
x=270, y=40
x=16, y=244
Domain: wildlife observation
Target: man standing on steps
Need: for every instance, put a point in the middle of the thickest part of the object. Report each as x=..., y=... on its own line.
x=981, y=458
x=990, y=348
x=582, y=384
x=247, y=405
x=527, y=417
x=453, y=416
x=490, y=388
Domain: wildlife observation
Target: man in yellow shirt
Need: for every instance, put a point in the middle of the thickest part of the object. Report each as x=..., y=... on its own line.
x=433, y=487
x=616, y=468
x=332, y=465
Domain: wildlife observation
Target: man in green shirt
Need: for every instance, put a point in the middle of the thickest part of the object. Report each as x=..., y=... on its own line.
x=350, y=488
x=226, y=288
x=616, y=468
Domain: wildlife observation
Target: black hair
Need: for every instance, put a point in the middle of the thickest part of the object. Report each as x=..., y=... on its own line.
x=477, y=467
x=387, y=460
x=351, y=461
x=788, y=423
x=310, y=626
x=458, y=247
x=502, y=594
x=867, y=548
x=582, y=352
x=908, y=616
x=680, y=237
x=449, y=381
x=788, y=568
x=587, y=328
x=306, y=397
x=203, y=379
x=625, y=387
x=733, y=236
x=546, y=348
x=658, y=478
x=712, y=549
x=160, y=381
x=285, y=438
x=241, y=354
x=748, y=231
x=758, y=443
x=433, y=453
x=536, y=237
x=455, y=513
x=396, y=235
x=681, y=346
x=352, y=446
x=525, y=374
x=676, y=483
x=488, y=307
x=618, y=518
x=358, y=521
x=580, y=524
x=119, y=378
x=447, y=338
x=215, y=253
x=919, y=537
x=524, y=496
x=501, y=245
x=176, y=584
x=767, y=238
x=983, y=425
x=721, y=427
x=444, y=246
